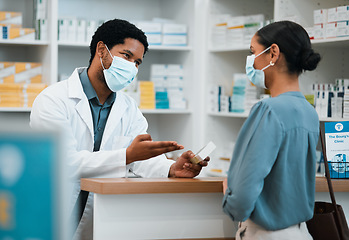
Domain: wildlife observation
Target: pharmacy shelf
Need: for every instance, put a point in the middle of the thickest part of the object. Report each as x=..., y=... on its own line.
x=144, y=111
x=230, y=114
x=165, y=111
x=15, y=109
x=23, y=42
x=332, y=42
x=151, y=47
x=229, y=49
x=333, y=119
x=245, y=115
x=74, y=44
x=170, y=48
x=335, y=42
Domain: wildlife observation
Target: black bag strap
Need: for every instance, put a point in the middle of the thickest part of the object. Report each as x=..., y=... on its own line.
x=327, y=173
x=330, y=188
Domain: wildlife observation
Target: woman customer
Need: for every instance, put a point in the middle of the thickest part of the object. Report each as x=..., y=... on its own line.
x=271, y=180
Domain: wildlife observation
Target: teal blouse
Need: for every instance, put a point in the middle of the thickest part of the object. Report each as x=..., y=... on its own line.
x=271, y=178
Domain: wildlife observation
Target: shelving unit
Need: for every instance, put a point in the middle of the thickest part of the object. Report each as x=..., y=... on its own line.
x=230, y=114
x=151, y=47
x=230, y=49
x=60, y=58
x=14, y=109
x=164, y=111
x=24, y=43
x=204, y=64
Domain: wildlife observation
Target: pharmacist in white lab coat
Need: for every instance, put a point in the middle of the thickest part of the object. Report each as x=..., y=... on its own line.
x=105, y=130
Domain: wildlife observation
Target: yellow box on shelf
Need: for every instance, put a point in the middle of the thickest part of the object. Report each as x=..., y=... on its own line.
x=10, y=25
x=8, y=18
x=147, y=106
x=16, y=72
x=19, y=94
x=21, y=34
x=147, y=95
x=35, y=88
x=11, y=88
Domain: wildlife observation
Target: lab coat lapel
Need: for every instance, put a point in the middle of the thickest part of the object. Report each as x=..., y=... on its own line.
x=82, y=106
x=114, y=120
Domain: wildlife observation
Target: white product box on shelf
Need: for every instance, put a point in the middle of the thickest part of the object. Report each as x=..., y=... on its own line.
x=91, y=26
x=224, y=103
x=235, y=30
x=320, y=16
x=174, y=82
x=219, y=24
x=175, y=93
x=154, y=38
x=252, y=24
x=159, y=81
x=40, y=9
x=174, y=40
x=310, y=31
x=332, y=15
x=343, y=13
x=257, y=18
x=331, y=30
x=174, y=28
x=150, y=27
x=319, y=31
x=342, y=29
x=174, y=70
x=158, y=70
x=63, y=29
x=72, y=29
x=81, y=31
x=177, y=103
x=41, y=29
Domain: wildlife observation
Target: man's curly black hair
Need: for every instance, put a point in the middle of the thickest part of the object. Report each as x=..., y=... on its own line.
x=115, y=32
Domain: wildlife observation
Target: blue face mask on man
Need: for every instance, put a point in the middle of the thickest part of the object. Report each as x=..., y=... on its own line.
x=256, y=76
x=120, y=73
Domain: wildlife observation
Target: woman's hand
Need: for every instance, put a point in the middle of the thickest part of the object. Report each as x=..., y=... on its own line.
x=225, y=185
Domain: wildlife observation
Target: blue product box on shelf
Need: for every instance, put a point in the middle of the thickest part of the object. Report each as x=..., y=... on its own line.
x=337, y=148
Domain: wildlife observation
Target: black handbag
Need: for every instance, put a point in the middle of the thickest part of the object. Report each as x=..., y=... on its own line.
x=328, y=222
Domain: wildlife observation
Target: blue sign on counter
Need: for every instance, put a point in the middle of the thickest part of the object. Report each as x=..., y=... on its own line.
x=337, y=148
x=27, y=186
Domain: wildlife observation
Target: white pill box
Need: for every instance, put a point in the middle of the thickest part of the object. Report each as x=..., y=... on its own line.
x=203, y=153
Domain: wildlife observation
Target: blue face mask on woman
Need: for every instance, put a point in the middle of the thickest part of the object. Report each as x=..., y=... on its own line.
x=120, y=73
x=256, y=76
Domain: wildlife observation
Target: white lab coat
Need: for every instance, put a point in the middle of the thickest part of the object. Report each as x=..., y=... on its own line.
x=64, y=105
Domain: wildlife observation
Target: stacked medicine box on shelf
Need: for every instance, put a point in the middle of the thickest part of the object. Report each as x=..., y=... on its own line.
x=24, y=64
x=164, y=32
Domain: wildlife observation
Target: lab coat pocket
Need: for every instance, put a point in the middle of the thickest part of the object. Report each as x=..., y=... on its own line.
x=121, y=142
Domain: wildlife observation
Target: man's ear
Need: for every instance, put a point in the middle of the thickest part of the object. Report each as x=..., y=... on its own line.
x=100, y=49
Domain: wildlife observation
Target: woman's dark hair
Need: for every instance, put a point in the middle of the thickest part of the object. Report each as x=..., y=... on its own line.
x=293, y=42
x=115, y=32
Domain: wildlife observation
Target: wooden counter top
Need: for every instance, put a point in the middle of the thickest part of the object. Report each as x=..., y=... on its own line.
x=339, y=185
x=178, y=185
x=151, y=185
